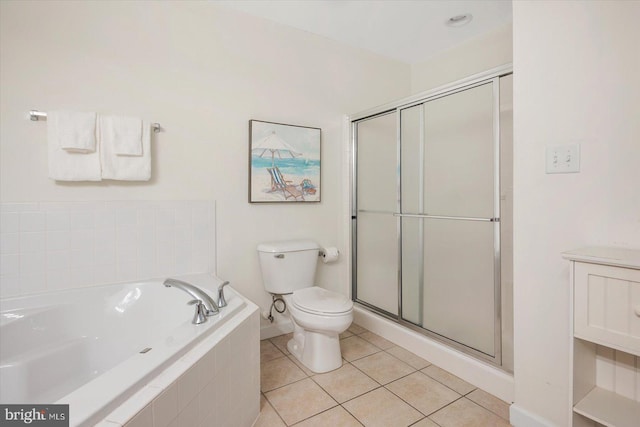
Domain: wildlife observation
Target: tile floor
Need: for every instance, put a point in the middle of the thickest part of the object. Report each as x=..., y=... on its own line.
x=379, y=384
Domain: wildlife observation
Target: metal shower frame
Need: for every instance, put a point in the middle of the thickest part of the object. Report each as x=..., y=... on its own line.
x=491, y=76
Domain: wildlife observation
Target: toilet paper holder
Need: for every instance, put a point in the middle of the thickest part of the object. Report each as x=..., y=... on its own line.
x=329, y=254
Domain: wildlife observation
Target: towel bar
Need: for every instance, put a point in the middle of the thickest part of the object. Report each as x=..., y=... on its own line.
x=35, y=116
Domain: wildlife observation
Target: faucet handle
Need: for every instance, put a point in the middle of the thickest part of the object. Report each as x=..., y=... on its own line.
x=200, y=316
x=221, y=301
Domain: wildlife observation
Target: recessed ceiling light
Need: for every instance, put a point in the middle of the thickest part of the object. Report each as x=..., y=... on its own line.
x=459, y=20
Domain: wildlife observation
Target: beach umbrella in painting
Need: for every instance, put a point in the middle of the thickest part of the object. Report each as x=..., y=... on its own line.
x=273, y=146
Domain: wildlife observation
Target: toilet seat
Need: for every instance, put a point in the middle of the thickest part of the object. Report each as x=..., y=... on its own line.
x=316, y=300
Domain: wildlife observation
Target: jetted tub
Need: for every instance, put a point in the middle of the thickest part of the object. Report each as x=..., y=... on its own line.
x=93, y=348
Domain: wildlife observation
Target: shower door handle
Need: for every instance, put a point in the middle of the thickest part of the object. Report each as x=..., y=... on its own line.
x=460, y=218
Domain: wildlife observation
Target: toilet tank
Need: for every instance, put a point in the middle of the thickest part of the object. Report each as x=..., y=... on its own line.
x=288, y=265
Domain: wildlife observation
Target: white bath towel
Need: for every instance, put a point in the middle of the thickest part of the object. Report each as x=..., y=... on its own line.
x=69, y=165
x=125, y=167
x=75, y=131
x=124, y=134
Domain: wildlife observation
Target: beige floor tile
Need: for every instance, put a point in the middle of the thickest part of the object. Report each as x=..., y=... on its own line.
x=425, y=422
x=268, y=351
x=383, y=367
x=281, y=342
x=278, y=372
x=423, y=393
x=448, y=379
x=490, y=402
x=345, y=383
x=376, y=340
x=346, y=334
x=382, y=408
x=407, y=357
x=298, y=401
x=337, y=417
x=355, y=347
x=356, y=329
x=465, y=413
x=308, y=372
x=268, y=416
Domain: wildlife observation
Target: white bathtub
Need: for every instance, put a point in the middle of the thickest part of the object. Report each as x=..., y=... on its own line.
x=94, y=348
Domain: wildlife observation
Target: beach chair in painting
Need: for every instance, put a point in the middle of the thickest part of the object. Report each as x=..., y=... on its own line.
x=278, y=183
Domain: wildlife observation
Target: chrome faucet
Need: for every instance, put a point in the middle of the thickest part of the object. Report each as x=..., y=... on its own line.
x=198, y=294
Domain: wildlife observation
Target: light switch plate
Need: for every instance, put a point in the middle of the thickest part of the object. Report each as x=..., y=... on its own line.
x=563, y=158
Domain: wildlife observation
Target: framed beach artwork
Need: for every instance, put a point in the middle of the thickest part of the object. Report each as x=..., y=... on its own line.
x=284, y=163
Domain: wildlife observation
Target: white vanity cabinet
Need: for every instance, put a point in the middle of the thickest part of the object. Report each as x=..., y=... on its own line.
x=605, y=320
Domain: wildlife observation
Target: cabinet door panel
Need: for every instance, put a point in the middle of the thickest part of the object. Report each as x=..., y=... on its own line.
x=606, y=301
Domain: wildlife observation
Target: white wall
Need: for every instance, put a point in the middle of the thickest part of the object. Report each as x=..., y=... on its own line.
x=473, y=56
x=576, y=68
x=202, y=71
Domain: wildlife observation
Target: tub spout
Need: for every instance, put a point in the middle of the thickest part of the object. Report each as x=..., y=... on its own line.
x=210, y=305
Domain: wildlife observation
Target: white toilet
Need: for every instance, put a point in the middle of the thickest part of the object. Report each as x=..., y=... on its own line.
x=318, y=315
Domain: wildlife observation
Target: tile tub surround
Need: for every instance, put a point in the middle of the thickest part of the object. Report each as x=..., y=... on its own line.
x=379, y=384
x=57, y=245
x=216, y=384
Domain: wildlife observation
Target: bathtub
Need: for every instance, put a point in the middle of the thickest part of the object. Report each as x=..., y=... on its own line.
x=98, y=348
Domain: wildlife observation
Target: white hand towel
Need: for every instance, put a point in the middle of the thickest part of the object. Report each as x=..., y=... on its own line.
x=127, y=167
x=65, y=165
x=76, y=131
x=124, y=134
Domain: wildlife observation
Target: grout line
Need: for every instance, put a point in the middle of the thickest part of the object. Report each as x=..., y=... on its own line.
x=276, y=346
x=482, y=406
x=275, y=358
x=282, y=386
x=437, y=380
x=262, y=363
x=354, y=397
x=353, y=415
x=360, y=395
x=477, y=404
x=422, y=419
x=368, y=376
x=370, y=354
x=426, y=415
x=448, y=404
x=314, y=415
x=272, y=407
x=398, y=379
x=322, y=388
x=398, y=346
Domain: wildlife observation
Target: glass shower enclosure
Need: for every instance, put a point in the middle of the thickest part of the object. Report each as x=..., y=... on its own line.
x=426, y=213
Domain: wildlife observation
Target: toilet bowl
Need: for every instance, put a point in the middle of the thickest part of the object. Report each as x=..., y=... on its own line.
x=318, y=315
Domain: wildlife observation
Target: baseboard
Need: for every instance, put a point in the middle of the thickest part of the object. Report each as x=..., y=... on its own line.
x=519, y=417
x=489, y=378
x=271, y=330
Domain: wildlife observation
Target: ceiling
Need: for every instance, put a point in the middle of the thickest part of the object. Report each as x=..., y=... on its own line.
x=410, y=31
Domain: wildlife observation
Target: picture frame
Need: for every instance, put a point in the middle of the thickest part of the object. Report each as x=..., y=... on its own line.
x=284, y=163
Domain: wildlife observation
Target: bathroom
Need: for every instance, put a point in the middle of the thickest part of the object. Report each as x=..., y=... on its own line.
x=203, y=71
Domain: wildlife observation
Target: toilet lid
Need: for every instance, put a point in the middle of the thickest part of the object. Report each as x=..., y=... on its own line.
x=318, y=300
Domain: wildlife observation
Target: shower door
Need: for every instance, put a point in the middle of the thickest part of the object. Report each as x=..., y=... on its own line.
x=426, y=218
x=377, y=200
x=449, y=218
